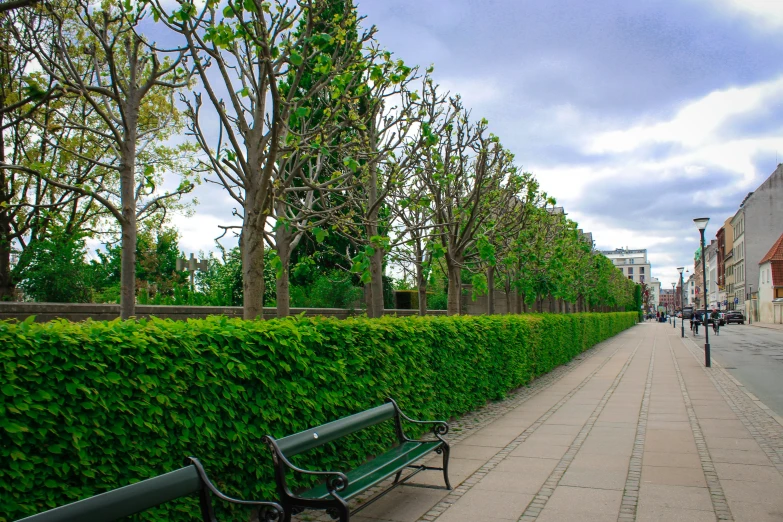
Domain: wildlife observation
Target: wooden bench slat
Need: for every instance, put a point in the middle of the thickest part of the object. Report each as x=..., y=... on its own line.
x=126, y=500
x=305, y=440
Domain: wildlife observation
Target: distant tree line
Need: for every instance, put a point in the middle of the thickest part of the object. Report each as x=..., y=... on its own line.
x=342, y=162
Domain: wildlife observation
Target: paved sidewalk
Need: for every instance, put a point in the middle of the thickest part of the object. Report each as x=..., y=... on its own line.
x=772, y=326
x=635, y=429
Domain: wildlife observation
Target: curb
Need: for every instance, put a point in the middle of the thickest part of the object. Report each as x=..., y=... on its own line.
x=715, y=364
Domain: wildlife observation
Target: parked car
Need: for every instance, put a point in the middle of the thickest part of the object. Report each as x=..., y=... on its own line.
x=735, y=316
x=720, y=314
x=679, y=314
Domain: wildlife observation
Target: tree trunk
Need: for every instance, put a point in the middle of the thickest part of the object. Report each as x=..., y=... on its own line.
x=368, y=299
x=283, y=238
x=128, y=224
x=375, y=298
x=454, y=268
x=6, y=284
x=491, y=290
x=376, y=270
x=421, y=284
x=251, y=243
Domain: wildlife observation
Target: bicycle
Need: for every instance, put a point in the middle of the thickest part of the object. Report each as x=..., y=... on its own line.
x=716, y=326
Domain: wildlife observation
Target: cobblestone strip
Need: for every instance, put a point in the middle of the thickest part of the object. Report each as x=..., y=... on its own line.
x=455, y=494
x=766, y=431
x=474, y=421
x=542, y=497
x=719, y=503
x=630, y=502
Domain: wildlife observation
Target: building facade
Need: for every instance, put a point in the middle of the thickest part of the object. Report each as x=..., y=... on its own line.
x=669, y=300
x=770, y=285
x=632, y=263
x=763, y=225
x=711, y=283
x=655, y=290
x=738, y=227
x=728, y=265
x=690, y=290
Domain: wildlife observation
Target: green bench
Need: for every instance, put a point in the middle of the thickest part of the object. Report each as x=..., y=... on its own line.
x=340, y=486
x=144, y=495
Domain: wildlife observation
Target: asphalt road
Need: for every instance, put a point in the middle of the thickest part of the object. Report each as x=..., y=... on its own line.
x=753, y=356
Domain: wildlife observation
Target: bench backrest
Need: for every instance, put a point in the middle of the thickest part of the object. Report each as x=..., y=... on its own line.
x=314, y=437
x=127, y=500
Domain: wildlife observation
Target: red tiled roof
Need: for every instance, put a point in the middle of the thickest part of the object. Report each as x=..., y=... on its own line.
x=775, y=253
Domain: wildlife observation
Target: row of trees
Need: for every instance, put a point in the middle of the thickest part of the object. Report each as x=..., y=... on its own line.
x=332, y=149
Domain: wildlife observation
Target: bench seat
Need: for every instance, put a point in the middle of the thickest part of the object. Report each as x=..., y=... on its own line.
x=369, y=474
x=339, y=486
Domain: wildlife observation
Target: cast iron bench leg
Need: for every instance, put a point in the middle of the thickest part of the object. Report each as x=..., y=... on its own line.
x=446, y=450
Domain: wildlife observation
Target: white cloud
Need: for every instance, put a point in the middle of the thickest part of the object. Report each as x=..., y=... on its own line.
x=198, y=232
x=696, y=124
x=475, y=90
x=767, y=13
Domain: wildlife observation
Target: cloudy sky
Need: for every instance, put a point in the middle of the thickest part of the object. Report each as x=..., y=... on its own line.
x=636, y=116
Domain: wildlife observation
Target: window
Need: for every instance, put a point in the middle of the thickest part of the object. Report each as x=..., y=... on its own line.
x=630, y=270
x=641, y=279
x=779, y=293
x=630, y=277
x=641, y=269
x=632, y=261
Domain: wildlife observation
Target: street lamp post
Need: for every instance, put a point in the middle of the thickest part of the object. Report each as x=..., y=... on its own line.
x=674, y=305
x=750, y=304
x=682, y=306
x=701, y=224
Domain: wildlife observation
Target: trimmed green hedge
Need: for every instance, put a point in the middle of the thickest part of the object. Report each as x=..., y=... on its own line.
x=86, y=407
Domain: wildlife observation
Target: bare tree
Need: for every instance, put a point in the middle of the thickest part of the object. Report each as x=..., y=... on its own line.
x=99, y=53
x=465, y=181
x=28, y=119
x=414, y=228
x=249, y=57
x=388, y=149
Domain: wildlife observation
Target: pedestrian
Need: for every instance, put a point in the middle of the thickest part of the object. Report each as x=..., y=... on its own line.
x=696, y=321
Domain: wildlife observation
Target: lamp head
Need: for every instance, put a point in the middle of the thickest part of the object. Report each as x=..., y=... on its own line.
x=680, y=269
x=701, y=223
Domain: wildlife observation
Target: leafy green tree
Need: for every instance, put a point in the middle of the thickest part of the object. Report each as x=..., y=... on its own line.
x=54, y=269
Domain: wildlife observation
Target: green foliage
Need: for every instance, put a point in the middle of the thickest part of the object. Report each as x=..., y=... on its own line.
x=157, y=279
x=53, y=269
x=86, y=407
x=331, y=290
x=637, y=301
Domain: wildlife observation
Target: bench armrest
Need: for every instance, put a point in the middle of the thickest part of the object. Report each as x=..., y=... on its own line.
x=335, y=480
x=271, y=511
x=439, y=428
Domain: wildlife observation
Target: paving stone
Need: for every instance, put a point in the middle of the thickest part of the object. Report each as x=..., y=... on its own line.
x=736, y=456
x=748, y=472
x=673, y=476
x=675, y=460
